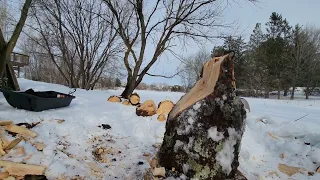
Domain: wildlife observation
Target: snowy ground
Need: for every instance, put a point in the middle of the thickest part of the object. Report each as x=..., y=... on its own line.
x=69, y=145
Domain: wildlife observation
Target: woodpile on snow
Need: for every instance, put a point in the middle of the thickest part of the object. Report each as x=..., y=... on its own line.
x=14, y=170
x=134, y=99
x=146, y=108
x=114, y=99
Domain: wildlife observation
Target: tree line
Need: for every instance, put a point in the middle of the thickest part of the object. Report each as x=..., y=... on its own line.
x=278, y=58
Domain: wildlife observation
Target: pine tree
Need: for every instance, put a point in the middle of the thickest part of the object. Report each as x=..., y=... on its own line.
x=118, y=82
x=277, y=50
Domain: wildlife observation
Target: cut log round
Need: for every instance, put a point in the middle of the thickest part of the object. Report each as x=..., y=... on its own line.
x=134, y=99
x=148, y=108
x=114, y=99
x=204, y=129
x=127, y=103
x=161, y=117
x=165, y=107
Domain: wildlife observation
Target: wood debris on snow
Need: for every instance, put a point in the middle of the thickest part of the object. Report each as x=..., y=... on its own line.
x=159, y=172
x=282, y=155
x=4, y=175
x=94, y=167
x=21, y=130
x=19, y=151
x=273, y=136
x=12, y=144
x=39, y=146
x=290, y=170
x=18, y=169
x=4, y=123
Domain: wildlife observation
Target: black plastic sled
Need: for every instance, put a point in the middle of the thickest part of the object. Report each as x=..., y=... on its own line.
x=37, y=100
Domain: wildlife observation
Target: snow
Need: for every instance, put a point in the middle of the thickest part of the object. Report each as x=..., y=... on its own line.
x=69, y=145
x=214, y=134
x=226, y=155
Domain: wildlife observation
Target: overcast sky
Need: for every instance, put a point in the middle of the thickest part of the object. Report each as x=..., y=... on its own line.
x=246, y=15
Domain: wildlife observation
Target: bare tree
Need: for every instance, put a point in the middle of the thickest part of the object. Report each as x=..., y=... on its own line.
x=160, y=23
x=312, y=67
x=191, y=68
x=7, y=47
x=301, y=51
x=78, y=40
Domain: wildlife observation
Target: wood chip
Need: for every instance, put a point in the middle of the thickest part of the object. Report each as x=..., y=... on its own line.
x=61, y=121
x=39, y=146
x=273, y=136
x=21, y=130
x=146, y=154
x=4, y=175
x=289, y=170
x=4, y=123
x=274, y=173
x=19, y=151
x=94, y=167
x=153, y=163
x=2, y=152
x=159, y=172
x=13, y=143
x=5, y=142
x=318, y=170
x=282, y=155
x=10, y=178
x=27, y=158
x=18, y=169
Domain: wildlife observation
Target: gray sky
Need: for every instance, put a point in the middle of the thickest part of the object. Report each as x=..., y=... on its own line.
x=246, y=15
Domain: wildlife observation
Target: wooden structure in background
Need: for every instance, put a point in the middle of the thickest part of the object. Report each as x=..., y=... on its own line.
x=17, y=61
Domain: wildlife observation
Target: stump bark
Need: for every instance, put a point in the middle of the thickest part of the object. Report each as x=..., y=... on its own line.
x=204, y=129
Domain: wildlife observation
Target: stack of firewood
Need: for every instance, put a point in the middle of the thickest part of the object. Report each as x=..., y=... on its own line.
x=148, y=107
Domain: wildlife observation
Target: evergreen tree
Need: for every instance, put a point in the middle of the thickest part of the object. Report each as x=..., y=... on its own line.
x=118, y=82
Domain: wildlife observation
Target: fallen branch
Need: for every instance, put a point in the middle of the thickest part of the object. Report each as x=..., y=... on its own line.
x=300, y=118
x=163, y=76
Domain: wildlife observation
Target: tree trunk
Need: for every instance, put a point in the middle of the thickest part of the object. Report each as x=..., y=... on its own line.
x=285, y=92
x=131, y=85
x=6, y=50
x=204, y=129
x=307, y=92
x=279, y=89
x=292, y=92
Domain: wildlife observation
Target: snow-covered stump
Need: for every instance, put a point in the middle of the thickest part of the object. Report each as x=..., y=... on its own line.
x=204, y=129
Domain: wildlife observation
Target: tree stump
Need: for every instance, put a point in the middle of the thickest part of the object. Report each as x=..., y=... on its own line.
x=204, y=129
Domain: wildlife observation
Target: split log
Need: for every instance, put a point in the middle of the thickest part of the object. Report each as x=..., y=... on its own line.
x=4, y=123
x=161, y=117
x=290, y=170
x=4, y=175
x=134, y=99
x=204, y=129
x=148, y=108
x=18, y=169
x=165, y=107
x=21, y=130
x=12, y=144
x=114, y=99
x=127, y=103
